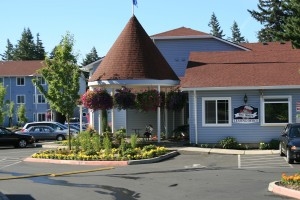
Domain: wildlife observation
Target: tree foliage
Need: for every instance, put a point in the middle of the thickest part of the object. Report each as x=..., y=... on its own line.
x=90, y=57
x=10, y=112
x=26, y=48
x=272, y=15
x=22, y=114
x=215, y=27
x=236, y=34
x=2, y=96
x=62, y=76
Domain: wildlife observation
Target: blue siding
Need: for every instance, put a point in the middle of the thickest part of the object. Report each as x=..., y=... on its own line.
x=176, y=51
x=244, y=133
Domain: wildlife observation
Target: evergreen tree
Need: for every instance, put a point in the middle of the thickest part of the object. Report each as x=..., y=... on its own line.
x=271, y=14
x=215, y=27
x=90, y=57
x=62, y=76
x=39, y=49
x=25, y=49
x=292, y=23
x=9, y=53
x=236, y=34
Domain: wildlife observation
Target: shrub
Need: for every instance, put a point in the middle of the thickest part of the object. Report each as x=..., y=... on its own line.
x=274, y=144
x=263, y=146
x=133, y=140
x=229, y=143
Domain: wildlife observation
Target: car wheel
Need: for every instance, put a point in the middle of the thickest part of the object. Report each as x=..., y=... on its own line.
x=60, y=137
x=288, y=157
x=280, y=150
x=22, y=143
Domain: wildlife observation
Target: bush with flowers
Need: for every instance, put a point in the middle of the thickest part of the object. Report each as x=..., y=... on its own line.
x=89, y=146
x=176, y=100
x=290, y=181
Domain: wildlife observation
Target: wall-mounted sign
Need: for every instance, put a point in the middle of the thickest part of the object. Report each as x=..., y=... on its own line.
x=245, y=114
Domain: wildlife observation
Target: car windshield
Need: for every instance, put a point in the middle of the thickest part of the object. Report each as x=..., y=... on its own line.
x=295, y=132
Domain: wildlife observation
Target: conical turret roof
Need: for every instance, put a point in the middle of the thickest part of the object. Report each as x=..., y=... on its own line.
x=134, y=56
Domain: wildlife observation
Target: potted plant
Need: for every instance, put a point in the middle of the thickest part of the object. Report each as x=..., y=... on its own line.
x=124, y=99
x=148, y=100
x=98, y=99
x=176, y=100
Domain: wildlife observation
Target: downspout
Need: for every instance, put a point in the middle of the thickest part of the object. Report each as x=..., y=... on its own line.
x=195, y=117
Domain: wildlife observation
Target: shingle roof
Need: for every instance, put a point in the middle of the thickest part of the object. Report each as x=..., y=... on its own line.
x=242, y=69
x=268, y=46
x=134, y=56
x=20, y=68
x=182, y=31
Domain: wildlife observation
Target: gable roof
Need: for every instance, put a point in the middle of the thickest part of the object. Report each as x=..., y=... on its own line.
x=242, y=69
x=133, y=56
x=20, y=68
x=182, y=31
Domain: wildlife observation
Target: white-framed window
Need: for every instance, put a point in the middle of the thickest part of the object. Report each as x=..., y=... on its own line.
x=276, y=110
x=40, y=98
x=39, y=117
x=216, y=111
x=20, y=81
x=20, y=99
x=41, y=80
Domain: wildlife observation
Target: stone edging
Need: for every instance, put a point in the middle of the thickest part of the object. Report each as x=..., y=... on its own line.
x=275, y=188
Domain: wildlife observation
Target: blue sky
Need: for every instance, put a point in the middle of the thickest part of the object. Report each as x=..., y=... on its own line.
x=98, y=23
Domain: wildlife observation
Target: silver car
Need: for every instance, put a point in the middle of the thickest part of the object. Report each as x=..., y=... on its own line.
x=46, y=133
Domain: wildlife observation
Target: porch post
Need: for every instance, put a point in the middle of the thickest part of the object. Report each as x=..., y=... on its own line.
x=195, y=117
x=158, y=118
x=113, y=114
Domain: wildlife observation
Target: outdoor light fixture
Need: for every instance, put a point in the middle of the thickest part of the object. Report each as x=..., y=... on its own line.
x=245, y=98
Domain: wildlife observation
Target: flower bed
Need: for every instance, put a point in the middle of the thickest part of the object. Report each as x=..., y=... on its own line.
x=291, y=181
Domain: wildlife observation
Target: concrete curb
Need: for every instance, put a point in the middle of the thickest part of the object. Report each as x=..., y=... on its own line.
x=275, y=188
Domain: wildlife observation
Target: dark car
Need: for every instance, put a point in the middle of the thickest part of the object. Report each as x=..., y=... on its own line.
x=46, y=133
x=289, y=145
x=9, y=138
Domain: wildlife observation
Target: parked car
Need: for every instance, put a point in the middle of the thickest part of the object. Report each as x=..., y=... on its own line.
x=42, y=132
x=55, y=125
x=10, y=138
x=289, y=145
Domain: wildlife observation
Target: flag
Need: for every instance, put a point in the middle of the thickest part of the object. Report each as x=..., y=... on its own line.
x=134, y=2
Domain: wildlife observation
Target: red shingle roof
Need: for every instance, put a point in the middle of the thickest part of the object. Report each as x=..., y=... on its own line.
x=20, y=68
x=182, y=31
x=134, y=56
x=242, y=69
x=268, y=46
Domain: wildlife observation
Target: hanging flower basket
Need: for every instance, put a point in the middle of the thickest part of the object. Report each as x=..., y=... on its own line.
x=124, y=99
x=176, y=100
x=98, y=99
x=148, y=100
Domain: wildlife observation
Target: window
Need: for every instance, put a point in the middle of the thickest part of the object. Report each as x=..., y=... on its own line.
x=1, y=80
x=20, y=81
x=20, y=99
x=40, y=117
x=276, y=110
x=216, y=111
x=41, y=81
x=40, y=98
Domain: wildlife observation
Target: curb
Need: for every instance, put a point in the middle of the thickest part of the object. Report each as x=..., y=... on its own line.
x=228, y=151
x=273, y=187
x=105, y=163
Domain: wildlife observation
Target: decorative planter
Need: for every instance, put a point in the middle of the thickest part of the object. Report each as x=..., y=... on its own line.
x=176, y=100
x=148, y=100
x=124, y=99
x=98, y=99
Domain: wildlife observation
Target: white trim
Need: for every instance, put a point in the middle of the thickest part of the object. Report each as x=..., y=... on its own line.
x=229, y=111
x=262, y=107
x=196, y=117
x=142, y=82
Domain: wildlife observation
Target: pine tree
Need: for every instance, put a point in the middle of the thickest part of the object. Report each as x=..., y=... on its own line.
x=90, y=57
x=9, y=53
x=215, y=27
x=236, y=34
x=39, y=49
x=292, y=23
x=271, y=15
x=25, y=49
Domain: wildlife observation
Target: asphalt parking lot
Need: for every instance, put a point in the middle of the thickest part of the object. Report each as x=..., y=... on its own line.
x=214, y=176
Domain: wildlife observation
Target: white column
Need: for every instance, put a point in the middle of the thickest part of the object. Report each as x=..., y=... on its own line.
x=113, y=114
x=195, y=117
x=158, y=118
